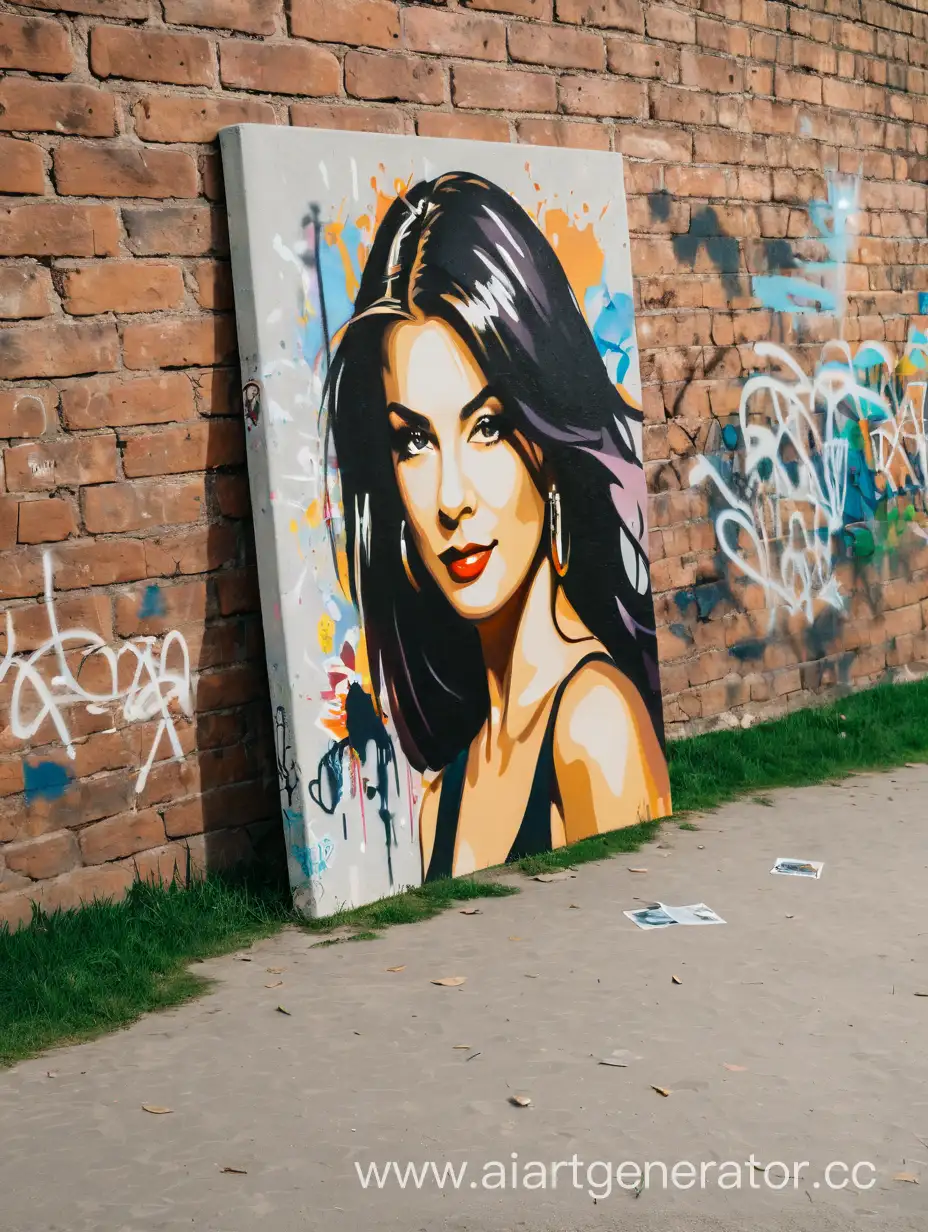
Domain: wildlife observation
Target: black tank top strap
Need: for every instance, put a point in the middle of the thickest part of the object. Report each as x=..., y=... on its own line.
x=534, y=834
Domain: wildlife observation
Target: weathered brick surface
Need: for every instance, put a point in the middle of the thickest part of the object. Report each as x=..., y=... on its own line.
x=120, y=426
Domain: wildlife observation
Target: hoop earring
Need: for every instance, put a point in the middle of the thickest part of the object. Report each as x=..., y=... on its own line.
x=405, y=558
x=559, y=558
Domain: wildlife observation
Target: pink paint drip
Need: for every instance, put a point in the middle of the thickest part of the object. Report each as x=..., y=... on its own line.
x=412, y=821
x=356, y=768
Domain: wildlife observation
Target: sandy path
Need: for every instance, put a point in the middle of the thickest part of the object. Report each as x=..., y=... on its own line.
x=818, y=1008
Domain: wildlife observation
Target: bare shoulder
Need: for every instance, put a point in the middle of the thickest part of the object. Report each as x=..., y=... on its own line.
x=428, y=816
x=599, y=703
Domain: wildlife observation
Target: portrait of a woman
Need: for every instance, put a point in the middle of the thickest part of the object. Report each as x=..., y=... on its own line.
x=494, y=505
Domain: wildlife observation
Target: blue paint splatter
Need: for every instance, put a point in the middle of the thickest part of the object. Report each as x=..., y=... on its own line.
x=612, y=319
x=923, y=303
x=152, y=603
x=45, y=780
x=750, y=648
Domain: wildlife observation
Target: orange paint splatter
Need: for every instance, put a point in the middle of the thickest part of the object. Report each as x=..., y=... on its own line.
x=577, y=250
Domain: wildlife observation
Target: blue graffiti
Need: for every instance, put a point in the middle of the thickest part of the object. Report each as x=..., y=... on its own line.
x=45, y=780
x=923, y=303
x=152, y=603
x=612, y=320
x=338, y=242
x=312, y=859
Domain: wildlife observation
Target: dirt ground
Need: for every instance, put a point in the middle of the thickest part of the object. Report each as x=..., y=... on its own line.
x=794, y=1035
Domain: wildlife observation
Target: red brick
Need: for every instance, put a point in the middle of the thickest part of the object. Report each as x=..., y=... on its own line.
x=194, y=551
x=125, y=10
x=716, y=74
x=121, y=836
x=34, y=43
x=113, y=402
x=600, y=96
x=404, y=78
x=198, y=446
x=9, y=525
x=11, y=777
x=238, y=592
x=555, y=47
x=351, y=119
x=232, y=495
x=609, y=14
x=114, y=508
x=105, y=883
x=32, y=625
x=53, y=230
x=122, y=286
x=798, y=87
x=541, y=10
x=21, y=167
x=64, y=349
x=670, y=145
x=98, y=562
x=42, y=857
x=176, y=230
x=566, y=133
x=181, y=604
x=633, y=59
x=213, y=768
x=46, y=520
x=359, y=23
x=720, y=36
x=26, y=412
x=252, y=16
x=25, y=291
x=152, y=55
x=213, y=285
x=217, y=391
x=454, y=34
x=42, y=466
x=21, y=578
x=501, y=89
x=55, y=107
x=162, y=117
x=237, y=805
x=180, y=342
x=123, y=171
x=464, y=126
x=676, y=106
x=670, y=25
x=279, y=68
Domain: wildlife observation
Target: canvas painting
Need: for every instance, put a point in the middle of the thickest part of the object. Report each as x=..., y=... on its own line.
x=442, y=402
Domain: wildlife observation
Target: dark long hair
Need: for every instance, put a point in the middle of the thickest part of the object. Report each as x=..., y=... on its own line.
x=462, y=250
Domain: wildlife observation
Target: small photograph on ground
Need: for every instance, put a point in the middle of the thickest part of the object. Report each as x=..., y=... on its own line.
x=651, y=917
x=695, y=913
x=798, y=868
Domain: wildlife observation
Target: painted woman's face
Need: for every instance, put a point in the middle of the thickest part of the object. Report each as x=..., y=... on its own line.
x=473, y=510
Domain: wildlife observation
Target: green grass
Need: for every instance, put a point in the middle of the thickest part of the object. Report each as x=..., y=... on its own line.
x=72, y=975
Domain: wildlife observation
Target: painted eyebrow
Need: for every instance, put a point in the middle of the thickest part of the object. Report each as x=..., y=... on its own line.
x=415, y=420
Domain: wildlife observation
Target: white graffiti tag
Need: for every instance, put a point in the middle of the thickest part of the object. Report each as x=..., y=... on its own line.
x=816, y=455
x=153, y=682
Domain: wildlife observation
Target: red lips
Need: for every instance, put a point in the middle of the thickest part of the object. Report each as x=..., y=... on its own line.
x=466, y=564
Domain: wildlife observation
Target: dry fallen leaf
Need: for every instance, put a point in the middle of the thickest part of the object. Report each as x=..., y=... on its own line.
x=660, y=1090
x=51, y=1073
x=514, y=938
x=735, y=1069
x=520, y=1101
x=281, y=1010
x=675, y=979
x=156, y=1109
x=451, y=981
x=921, y=994
x=530, y=976
x=470, y=911
x=276, y=984
x=574, y=907
x=637, y=870
x=237, y=1171
x=467, y=1046
x=242, y=958
x=561, y=876
x=906, y=1176
x=613, y=1061
x=274, y=970
x=401, y=967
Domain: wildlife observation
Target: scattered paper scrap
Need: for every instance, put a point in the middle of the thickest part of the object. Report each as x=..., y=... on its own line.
x=281, y=1010
x=798, y=868
x=401, y=967
x=637, y=870
x=660, y=1090
x=659, y=915
x=451, y=981
x=276, y=984
x=906, y=1176
x=675, y=979
x=564, y=875
x=156, y=1109
x=237, y=1171
x=520, y=1101
x=735, y=1069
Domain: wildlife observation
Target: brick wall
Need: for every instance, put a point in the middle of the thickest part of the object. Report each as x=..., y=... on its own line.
x=122, y=492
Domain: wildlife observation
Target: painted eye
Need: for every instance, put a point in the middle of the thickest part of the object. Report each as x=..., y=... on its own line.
x=416, y=442
x=487, y=429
